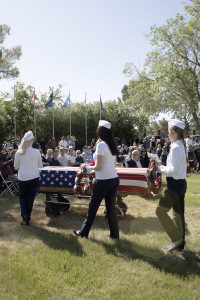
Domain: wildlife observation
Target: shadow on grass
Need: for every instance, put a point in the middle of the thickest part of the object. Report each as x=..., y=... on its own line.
x=139, y=225
x=7, y=204
x=56, y=240
x=182, y=264
x=127, y=224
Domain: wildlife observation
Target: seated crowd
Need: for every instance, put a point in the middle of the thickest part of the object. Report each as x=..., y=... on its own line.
x=64, y=153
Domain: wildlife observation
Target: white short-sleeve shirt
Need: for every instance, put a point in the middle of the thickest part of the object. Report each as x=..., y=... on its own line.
x=108, y=166
x=28, y=164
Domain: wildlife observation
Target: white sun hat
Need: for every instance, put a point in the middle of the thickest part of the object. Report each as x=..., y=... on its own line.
x=177, y=123
x=105, y=124
x=28, y=136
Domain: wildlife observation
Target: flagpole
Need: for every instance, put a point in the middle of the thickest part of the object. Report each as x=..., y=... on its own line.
x=100, y=106
x=70, y=118
x=85, y=121
x=53, y=119
x=15, y=117
x=34, y=115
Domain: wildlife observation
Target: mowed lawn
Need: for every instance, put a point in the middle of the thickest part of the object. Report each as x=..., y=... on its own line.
x=45, y=260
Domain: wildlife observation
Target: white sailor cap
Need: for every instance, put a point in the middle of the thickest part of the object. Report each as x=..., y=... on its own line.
x=28, y=136
x=177, y=123
x=105, y=124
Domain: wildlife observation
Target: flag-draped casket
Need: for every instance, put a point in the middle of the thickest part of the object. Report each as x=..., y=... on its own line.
x=62, y=180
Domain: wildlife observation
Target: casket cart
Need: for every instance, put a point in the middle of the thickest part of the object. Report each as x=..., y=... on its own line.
x=58, y=184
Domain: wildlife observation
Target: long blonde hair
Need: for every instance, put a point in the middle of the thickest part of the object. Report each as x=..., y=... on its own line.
x=24, y=145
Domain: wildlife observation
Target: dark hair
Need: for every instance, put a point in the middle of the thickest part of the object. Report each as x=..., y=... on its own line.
x=180, y=133
x=107, y=136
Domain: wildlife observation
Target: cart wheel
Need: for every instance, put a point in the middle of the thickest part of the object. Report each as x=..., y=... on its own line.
x=119, y=211
x=66, y=204
x=123, y=206
x=51, y=209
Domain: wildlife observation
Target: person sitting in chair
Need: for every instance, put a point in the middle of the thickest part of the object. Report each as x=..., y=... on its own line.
x=54, y=162
x=135, y=161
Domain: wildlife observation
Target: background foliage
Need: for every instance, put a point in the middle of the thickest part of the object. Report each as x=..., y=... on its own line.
x=125, y=121
x=170, y=79
x=168, y=83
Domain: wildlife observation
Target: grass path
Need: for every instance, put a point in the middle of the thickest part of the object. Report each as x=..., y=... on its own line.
x=45, y=261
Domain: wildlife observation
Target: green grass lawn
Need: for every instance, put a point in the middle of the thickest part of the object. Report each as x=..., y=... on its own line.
x=45, y=261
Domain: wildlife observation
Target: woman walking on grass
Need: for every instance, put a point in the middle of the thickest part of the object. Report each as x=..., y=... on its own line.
x=174, y=194
x=27, y=161
x=106, y=182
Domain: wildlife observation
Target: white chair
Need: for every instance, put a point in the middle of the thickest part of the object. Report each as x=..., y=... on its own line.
x=10, y=186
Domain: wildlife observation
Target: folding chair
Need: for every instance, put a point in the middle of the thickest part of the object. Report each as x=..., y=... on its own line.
x=10, y=186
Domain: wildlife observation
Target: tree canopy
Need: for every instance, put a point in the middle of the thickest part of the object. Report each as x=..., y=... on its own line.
x=126, y=122
x=170, y=79
x=8, y=57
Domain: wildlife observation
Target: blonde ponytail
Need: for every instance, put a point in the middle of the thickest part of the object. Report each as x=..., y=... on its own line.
x=24, y=145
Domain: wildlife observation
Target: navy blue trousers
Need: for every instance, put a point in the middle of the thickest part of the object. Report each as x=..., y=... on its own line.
x=173, y=197
x=27, y=193
x=106, y=189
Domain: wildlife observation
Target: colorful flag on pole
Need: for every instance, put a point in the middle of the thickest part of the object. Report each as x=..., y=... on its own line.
x=101, y=105
x=50, y=102
x=66, y=103
x=32, y=100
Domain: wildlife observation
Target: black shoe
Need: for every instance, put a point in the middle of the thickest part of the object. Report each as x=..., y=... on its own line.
x=78, y=233
x=24, y=222
x=181, y=247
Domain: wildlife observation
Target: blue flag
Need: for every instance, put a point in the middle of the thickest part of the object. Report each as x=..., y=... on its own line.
x=101, y=105
x=66, y=103
x=50, y=102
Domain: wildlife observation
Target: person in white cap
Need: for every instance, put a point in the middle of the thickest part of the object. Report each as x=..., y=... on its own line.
x=174, y=194
x=106, y=182
x=27, y=161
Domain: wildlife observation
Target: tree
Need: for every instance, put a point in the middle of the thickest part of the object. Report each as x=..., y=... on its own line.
x=159, y=127
x=170, y=80
x=20, y=101
x=125, y=92
x=8, y=57
x=126, y=121
x=24, y=111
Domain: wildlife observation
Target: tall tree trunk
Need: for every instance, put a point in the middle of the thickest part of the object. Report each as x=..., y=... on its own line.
x=196, y=121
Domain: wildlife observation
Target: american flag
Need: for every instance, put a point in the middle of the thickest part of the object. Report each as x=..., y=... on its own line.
x=52, y=177
x=132, y=180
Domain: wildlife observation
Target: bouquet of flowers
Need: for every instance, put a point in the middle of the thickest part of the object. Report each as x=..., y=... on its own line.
x=154, y=177
x=83, y=187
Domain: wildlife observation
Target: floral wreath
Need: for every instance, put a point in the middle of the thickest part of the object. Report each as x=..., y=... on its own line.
x=154, y=178
x=83, y=187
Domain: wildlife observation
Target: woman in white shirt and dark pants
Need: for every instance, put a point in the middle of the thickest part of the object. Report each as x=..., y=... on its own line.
x=174, y=194
x=106, y=182
x=27, y=161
